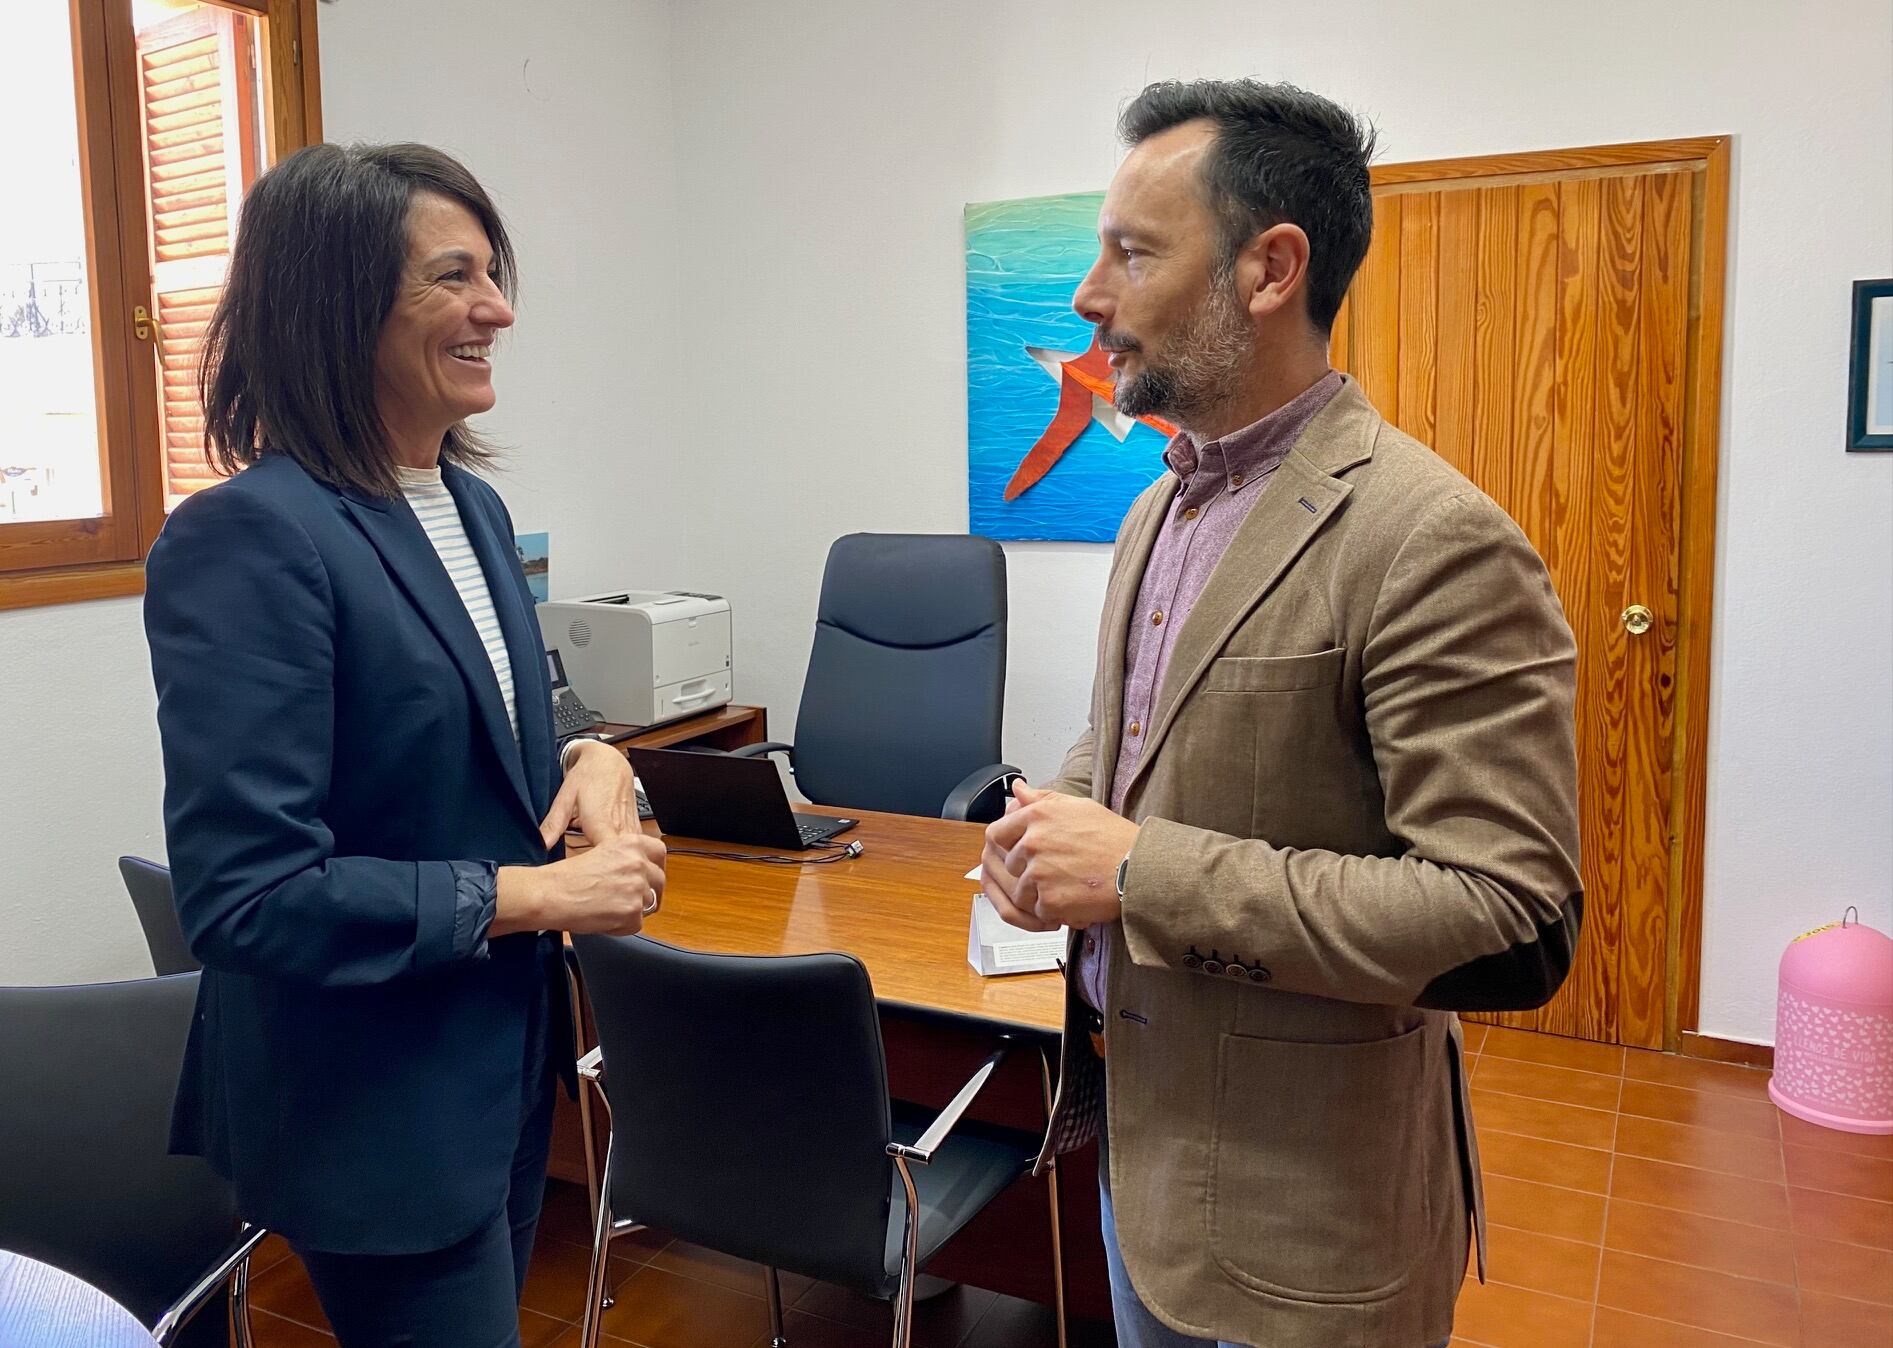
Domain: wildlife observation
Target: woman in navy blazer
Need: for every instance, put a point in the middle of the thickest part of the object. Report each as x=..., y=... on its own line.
x=363, y=798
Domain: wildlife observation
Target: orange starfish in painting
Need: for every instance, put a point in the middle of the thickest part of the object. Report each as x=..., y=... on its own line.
x=1084, y=395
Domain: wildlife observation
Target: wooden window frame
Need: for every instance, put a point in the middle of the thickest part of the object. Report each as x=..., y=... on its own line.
x=66, y=561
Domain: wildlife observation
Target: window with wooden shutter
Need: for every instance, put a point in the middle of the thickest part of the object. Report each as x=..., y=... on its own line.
x=175, y=107
x=197, y=99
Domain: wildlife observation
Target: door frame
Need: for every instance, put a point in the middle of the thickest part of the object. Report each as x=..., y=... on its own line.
x=1707, y=160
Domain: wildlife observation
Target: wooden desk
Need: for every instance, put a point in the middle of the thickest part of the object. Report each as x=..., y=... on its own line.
x=728, y=727
x=903, y=908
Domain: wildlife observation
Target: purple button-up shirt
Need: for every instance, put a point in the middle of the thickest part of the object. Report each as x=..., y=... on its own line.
x=1221, y=482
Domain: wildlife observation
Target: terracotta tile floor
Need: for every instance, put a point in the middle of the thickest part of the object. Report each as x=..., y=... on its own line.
x=1635, y=1201
x=671, y=1294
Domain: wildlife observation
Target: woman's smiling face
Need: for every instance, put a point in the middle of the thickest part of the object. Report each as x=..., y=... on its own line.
x=433, y=365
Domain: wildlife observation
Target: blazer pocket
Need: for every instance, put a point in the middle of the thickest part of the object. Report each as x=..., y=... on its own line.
x=1275, y=673
x=1318, y=1182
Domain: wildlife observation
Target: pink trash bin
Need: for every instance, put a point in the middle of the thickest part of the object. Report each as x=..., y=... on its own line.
x=1834, y=1028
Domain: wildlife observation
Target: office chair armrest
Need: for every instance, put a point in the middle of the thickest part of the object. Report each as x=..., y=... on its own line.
x=981, y=798
x=929, y=1142
x=186, y=1306
x=766, y=747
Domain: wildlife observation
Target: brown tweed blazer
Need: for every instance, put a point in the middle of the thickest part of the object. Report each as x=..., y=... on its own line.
x=1359, y=810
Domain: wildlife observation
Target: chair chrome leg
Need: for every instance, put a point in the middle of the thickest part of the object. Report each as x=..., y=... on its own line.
x=773, y=1281
x=591, y=1149
x=584, y=1103
x=240, y=1306
x=910, y=1258
x=1051, y=1189
x=1058, y=1252
x=596, y=1299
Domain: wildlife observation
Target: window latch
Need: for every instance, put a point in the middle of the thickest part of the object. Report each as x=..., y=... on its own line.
x=144, y=325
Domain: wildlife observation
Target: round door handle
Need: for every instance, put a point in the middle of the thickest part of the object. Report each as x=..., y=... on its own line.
x=1637, y=620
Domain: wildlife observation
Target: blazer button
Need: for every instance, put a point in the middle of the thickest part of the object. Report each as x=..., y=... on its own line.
x=1259, y=975
x=1212, y=967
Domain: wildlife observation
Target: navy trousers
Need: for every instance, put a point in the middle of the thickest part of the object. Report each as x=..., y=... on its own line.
x=467, y=1295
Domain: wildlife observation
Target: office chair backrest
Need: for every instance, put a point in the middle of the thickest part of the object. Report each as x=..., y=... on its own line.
x=149, y=885
x=906, y=683
x=749, y=1108
x=87, y=1075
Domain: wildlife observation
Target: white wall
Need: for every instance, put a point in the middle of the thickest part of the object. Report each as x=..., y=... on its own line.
x=79, y=786
x=562, y=109
x=825, y=150
x=743, y=335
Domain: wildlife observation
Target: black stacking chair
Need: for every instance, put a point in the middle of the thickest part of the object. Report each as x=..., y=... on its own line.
x=86, y=1183
x=906, y=687
x=750, y=1114
x=149, y=885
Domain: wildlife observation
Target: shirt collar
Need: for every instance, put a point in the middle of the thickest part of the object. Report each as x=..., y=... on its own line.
x=1246, y=455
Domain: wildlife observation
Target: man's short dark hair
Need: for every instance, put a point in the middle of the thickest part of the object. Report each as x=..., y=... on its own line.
x=289, y=354
x=1281, y=155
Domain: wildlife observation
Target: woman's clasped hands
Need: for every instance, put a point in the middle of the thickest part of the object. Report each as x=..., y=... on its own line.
x=609, y=886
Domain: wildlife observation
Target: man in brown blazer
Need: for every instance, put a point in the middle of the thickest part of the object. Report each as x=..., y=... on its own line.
x=1328, y=796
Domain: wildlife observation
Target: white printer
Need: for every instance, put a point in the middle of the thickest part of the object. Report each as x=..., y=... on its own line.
x=643, y=657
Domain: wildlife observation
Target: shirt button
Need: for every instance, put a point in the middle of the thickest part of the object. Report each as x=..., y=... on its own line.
x=1156, y=619
x=1137, y=729
x=1190, y=514
x=1091, y=942
x=1236, y=481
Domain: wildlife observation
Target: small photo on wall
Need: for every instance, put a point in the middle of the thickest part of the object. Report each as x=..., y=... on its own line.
x=534, y=559
x=1870, y=384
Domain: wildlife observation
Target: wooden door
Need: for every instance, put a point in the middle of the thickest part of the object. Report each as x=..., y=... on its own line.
x=1545, y=322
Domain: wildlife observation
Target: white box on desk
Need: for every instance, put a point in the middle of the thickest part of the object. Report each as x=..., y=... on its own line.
x=995, y=946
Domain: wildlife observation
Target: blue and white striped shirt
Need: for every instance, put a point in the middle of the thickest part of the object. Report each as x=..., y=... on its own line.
x=434, y=506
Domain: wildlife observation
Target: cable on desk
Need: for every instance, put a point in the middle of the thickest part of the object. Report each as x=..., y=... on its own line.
x=847, y=853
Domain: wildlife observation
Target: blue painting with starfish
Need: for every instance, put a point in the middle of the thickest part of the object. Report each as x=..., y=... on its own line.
x=1048, y=456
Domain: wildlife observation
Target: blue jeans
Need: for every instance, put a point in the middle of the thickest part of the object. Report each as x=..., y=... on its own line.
x=1136, y=1326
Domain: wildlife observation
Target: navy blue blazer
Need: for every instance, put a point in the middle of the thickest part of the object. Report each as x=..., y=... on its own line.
x=336, y=751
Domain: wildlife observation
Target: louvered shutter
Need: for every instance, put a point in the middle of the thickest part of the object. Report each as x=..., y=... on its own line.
x=197, y=86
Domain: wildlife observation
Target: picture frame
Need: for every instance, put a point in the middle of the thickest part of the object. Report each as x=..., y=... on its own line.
x=535, y=553
x=1048, y=455
x=1870, y=368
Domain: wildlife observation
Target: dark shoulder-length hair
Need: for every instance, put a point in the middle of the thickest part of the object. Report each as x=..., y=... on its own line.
x=289, y=354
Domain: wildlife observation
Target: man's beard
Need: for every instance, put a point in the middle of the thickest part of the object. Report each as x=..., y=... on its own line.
x=1201, y=367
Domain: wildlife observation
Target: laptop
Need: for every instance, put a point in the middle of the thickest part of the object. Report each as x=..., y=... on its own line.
x=739, y=800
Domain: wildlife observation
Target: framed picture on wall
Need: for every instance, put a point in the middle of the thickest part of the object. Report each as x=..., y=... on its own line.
x=1870, y=382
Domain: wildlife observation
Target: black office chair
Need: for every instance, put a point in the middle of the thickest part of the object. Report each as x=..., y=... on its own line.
x=149, y=885
x=750, y=1114
x=906, y=685
x=86, y=1183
